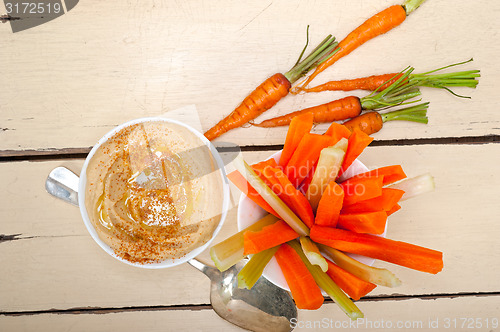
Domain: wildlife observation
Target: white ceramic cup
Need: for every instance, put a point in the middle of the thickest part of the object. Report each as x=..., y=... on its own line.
x=169, y=262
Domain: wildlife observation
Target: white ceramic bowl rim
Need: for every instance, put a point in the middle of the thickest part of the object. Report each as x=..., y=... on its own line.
x=168, y=262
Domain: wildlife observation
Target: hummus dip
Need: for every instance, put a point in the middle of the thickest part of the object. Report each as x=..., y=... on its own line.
x=154, y=192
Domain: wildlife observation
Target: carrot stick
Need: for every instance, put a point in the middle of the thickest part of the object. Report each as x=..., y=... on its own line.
x=270, y=197
x=305, y=291
x=268, y=237
x=241, y=183
x=355, y=287
x=364, y=222
x=390, y=173
x=299, y=126
x=336, y=110
x=397, y=252
x=370, y=83
x=376, y=25
x=358, y=141
x=271, y=90
x=298, y=202
x=395, y=208
x=262, y=167
x=360, y=189
x=305, y=157
x=385, y=202
x=285, y=190
x=262, y=164
x=338, y=131
x=330, y=205
x=328, y=285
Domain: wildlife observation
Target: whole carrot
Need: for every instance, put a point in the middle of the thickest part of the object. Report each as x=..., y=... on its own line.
x=336, y=110
x=260, y=100
x=466, y=78
x=370, y=83
x=376, y=25
x=272, y=90
x=395, y=94
x=372, y=122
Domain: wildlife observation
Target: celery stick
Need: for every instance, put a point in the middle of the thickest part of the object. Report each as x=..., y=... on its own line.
x=230, y=251
x=252, y=270
x=415, y=186
x=342, y=144
x=329, y=163
x=270, y=197
x=312, y=253
x=329, y=286
x=378, y=276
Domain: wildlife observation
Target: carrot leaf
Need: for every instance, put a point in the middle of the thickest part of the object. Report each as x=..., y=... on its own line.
x=416, y=113
x=412, y=5
x=323, y=51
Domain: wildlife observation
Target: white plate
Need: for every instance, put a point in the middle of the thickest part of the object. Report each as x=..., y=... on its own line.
x=249, y=212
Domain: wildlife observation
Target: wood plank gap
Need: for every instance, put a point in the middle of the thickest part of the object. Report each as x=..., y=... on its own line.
x=101, y=311
x=195, y=307
x=19, y=236
x=81, y=153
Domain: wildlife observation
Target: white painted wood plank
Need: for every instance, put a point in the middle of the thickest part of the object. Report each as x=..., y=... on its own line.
x=58, y=265
x=451, y=314
x=106, y=62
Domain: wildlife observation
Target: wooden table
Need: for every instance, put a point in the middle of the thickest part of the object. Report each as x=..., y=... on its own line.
x=67, y=82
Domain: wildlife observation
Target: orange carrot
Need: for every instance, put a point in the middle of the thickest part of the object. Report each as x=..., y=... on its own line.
x=380, y=82
x=369, y=123
x=360, y=189
x=372, y=122
x=330, y=205
x=390, y=173
x=268, y=237
x=286, y=191
x=397, y=252
x=370, y=83
x=376, y=25
x=364, y=222
x=299, y=126
x=305, y=291
x=395, y=208
x=355, y=287
x=338, y=131
x=258, y=101
x=306, y=156
x=307, y=181
x=272, y=90
x=262, y=166
x=239, y=181
x=358, y=141
x=385, y=202
x=336, y=110
x=298, y=201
